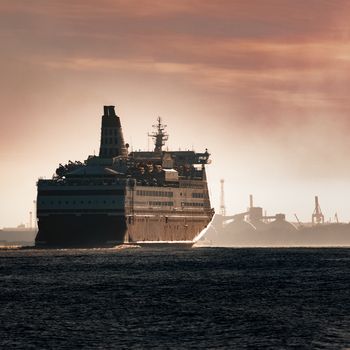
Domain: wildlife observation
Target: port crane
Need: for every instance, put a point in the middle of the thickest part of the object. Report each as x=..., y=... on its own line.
x=317, y=216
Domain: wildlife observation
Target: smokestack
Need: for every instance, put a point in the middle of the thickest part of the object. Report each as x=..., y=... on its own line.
x=112, y=139
x=251, y=201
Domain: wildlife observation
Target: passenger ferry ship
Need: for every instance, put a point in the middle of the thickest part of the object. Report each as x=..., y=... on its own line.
x=144, y=198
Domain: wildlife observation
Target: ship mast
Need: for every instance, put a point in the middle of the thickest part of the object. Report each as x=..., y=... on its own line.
x=159, y=136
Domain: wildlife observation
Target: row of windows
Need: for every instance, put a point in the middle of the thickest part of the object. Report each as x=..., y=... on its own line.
x=110, y=132
x=191, y=185
x=160, y=204
x=185, y=204
x=78, y=202
x=197, y=195
x=154, y=193
x=109, y=140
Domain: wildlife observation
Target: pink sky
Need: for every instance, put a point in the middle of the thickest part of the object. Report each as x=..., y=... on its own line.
x=262, y=84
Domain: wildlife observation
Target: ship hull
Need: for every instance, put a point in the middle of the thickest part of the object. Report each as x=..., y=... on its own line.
x=98, y=231
x=163, y=245
x=83, y=231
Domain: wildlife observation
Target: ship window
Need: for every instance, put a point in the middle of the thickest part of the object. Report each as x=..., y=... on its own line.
x=81, y=202
x=66, y=202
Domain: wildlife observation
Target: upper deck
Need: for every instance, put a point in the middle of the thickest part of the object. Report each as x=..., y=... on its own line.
x=115, y=166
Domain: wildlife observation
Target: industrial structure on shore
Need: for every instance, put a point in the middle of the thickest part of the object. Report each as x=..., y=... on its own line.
x=253, y=228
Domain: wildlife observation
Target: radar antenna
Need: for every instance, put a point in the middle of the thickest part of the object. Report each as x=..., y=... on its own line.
x=159, y=136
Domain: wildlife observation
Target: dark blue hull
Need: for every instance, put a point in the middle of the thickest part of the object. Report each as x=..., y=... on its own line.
x=83, y=231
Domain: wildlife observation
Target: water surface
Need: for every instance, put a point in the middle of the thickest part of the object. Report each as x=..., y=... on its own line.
x=218, y=298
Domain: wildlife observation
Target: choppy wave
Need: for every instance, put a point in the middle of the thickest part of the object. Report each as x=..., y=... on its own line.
x=175, y=299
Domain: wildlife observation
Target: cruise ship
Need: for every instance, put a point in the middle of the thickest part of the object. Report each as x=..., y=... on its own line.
x=146, y=198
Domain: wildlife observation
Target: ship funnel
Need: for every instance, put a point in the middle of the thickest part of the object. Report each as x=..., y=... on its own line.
x=112, y=139
x=109, y=111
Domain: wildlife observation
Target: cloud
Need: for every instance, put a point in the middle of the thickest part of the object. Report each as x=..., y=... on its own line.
x=262, y=84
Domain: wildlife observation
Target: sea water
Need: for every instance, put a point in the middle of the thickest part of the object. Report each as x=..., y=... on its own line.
x=211, y=298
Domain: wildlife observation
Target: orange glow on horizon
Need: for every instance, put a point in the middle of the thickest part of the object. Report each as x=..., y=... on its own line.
x=263, y=87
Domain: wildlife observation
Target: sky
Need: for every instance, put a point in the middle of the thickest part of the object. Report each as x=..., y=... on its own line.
x=263, y=84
